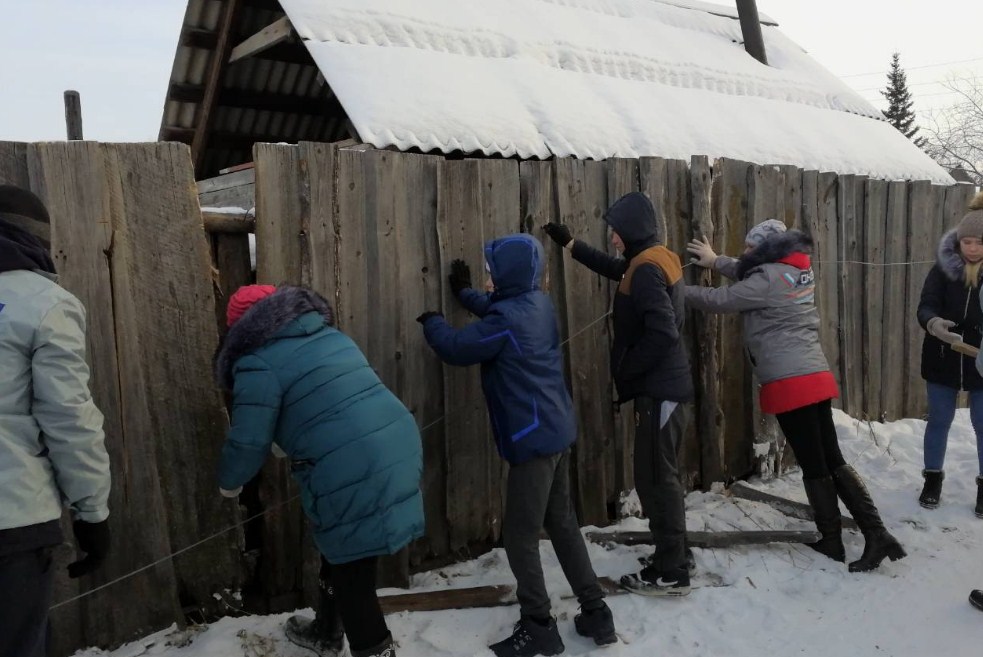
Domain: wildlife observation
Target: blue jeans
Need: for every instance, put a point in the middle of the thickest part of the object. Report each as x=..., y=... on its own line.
x=941, y=411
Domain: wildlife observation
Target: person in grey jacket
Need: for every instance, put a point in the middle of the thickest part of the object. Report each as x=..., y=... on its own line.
x=51, y=439
x=774, y=291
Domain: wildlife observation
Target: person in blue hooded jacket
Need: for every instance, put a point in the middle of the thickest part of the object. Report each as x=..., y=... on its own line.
x=516, y=342
x=303, y=388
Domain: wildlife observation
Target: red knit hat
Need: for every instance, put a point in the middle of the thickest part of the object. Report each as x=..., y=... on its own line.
x=244, y=298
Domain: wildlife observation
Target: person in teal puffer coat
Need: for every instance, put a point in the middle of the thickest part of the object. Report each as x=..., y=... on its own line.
x=302, y=387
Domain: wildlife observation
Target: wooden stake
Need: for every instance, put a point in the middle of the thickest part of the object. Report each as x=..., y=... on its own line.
x=73, y=115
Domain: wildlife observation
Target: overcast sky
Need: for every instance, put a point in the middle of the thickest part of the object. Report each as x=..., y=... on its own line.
x=118, y=55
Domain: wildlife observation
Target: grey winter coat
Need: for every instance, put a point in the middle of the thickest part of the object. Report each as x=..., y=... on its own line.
x=777, y=302
x=51, y=437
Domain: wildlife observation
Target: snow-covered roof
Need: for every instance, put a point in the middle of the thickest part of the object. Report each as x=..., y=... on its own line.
x=592, y=79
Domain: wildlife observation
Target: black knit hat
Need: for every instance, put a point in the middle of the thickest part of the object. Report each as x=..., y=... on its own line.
x=24, y=209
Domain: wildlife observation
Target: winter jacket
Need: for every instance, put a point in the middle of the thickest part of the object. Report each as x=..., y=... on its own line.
x=52, y=446
x=517, y=343
x=945, y=295
x=647, y=354
x=777, y=304
x=354, y=448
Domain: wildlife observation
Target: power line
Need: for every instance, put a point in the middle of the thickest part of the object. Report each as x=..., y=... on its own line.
x=914, y=68
x=922, y=84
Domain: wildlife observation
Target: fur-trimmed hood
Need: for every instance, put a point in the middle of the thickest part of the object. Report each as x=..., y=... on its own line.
x=262, y=322
x=949, y=258
x=773, y=249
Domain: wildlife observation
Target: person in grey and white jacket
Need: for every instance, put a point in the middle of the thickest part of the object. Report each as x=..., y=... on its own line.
x=52, y=450
x=774, y=291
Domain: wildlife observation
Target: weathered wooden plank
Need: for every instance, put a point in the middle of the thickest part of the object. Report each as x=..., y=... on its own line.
x=279, y=214
x=828, y=284
x=706, y=334
x=925, y=203
x=957, y=198
x=13, y=164
x=850, y=226
x=157, y=229
x=582, y=198
x=277, y=32
x=82, y=196
x=466, y=429
x=894, y=354
x=710, y=540
x=477, y=597
x=228, y=222
x=231, y=258
x=799, y=510
x=875, y=214
x=792, y=190
x=623, y=178
x=419, y=377
x=730, y=213
x=217, y=64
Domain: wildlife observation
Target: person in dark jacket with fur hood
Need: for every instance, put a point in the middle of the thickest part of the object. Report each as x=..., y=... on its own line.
x=302, y=388
x=949, y=311
x=774, y=291
x=517, y=343
x=649, y=365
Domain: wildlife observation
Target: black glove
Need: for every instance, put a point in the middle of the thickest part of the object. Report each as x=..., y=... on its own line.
x=93, y=539
x=559, y=233
x=460, y=277
x=427, y=315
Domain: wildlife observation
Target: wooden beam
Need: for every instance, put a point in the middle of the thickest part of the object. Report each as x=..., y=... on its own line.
x=196, y=38
x=271, y=35
x=257, y=100
x=73, y=115
x=228, y=222
x=708, y=540
x=172, y=133
x=788, y=507
x=213, y=81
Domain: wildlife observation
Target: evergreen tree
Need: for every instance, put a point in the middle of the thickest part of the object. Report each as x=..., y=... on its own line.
x=899, y=112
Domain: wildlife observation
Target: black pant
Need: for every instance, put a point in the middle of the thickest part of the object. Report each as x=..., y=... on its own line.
x=538, y=498
x=353, y=584
x=25, y=595
x=657, y=478
x=811, y=433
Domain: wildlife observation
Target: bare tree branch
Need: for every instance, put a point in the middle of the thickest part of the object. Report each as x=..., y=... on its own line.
x=955, y=133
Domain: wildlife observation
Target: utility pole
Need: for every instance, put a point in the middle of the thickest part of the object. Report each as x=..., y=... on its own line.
x=73, y=115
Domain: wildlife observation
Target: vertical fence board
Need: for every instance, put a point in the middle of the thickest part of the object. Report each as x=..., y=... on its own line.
x=792, y=189
x=894, y=357
x=13, y=164
x=582, y=199
x=828, y=286
x=850, y=227
x=279, y=214
x=873, y=304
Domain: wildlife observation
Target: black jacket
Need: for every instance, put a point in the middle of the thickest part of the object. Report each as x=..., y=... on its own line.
x=945, y=295
x=647, y=356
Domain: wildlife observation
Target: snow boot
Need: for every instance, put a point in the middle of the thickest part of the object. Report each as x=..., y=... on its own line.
x=976, y=599
x=325, y=634
x=652, y=583
x=826, y=511
x=597, y=624
x=385, y=649
x=879, y=543
x=979, y=496
x=932, y=490
x=530, y=637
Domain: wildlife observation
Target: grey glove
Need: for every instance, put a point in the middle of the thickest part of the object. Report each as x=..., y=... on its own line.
x=701, y=252
x=939, y=327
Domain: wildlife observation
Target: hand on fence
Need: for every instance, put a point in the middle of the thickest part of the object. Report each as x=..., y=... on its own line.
x=559, y=233
x=93, y=539
x=427, y=315
x=230, y=493
x=460, y=277
x=939, y=327
x=702, y=252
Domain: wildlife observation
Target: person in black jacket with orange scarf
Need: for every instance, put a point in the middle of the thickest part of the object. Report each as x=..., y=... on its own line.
x=649, y=365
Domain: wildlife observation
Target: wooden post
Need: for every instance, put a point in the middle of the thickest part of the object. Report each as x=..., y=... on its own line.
x=73, y=115
x=754, y=41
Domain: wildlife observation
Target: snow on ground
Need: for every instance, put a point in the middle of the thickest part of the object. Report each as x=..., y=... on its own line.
x=751, y=601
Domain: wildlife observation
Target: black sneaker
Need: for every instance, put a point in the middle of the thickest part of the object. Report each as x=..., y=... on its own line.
x=648, y=559
x=597, y=624
x=648, y=582
x=307, y=633
x=976, y=599
x=530, y=638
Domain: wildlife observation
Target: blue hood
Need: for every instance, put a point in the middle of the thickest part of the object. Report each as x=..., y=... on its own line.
x=516, y=264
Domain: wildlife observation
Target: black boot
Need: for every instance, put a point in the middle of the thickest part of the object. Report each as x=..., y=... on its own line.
x=932, y=490
x=325, y=635
x=530, y=637
x=979, y=496
x=597, y=624
x=976, y=599
x=826, y=509
x=385, y=649
x=878, y=541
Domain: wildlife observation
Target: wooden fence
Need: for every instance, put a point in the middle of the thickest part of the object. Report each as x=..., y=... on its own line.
x=375, y=231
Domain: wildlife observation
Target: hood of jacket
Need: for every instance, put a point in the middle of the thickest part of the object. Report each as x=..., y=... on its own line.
x=773, y=249
x=515, y=263
x=949, y=258
x=264, y=321
x=21, y=250
x=634, y=218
